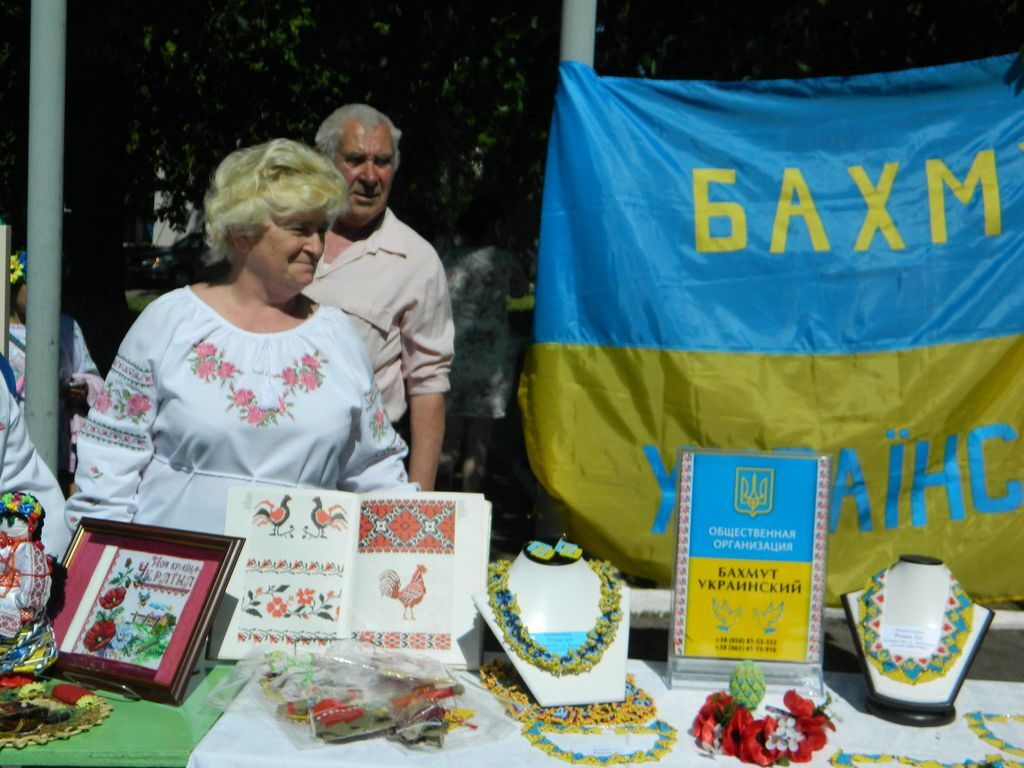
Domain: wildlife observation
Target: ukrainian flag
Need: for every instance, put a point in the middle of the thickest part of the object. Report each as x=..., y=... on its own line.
x=832, y=264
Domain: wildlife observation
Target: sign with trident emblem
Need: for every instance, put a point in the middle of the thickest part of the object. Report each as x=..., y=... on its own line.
x=754, y=491
x=751, y=542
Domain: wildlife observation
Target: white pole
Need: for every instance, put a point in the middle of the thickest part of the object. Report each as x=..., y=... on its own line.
x=579, y=20
x=45, y=221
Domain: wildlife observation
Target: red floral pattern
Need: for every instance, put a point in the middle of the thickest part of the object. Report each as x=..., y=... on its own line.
x=99, y=635
x=112, y=598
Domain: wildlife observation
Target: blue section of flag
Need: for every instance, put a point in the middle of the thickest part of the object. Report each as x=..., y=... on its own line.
x=784, y=534
x=618, y=262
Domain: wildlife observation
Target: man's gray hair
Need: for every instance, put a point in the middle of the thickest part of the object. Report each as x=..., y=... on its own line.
x=328, y=135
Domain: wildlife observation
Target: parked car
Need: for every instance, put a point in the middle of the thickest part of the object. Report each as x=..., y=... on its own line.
x=171, y=266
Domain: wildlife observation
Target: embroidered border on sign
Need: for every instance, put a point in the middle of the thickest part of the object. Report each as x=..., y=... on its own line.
x=297, y=567
x=683, y=547
x=134, y=372
x=407, y=526
x=418, y=641
x=113, y=436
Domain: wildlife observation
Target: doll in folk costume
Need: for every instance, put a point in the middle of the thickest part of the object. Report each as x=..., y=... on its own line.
x=27, y=643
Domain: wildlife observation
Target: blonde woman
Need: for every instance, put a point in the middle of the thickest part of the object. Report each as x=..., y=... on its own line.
x=243, y=380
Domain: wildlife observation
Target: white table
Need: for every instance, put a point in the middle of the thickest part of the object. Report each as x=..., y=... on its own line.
x=247, y=736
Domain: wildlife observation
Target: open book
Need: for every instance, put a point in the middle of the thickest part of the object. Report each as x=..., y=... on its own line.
x=397, y=570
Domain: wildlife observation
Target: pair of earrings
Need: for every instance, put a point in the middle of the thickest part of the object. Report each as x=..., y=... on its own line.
x=543, y=551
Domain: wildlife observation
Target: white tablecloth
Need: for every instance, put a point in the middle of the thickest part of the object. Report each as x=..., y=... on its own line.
x=247, y=735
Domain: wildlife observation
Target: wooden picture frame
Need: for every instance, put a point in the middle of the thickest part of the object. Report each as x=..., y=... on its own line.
x=138, y=604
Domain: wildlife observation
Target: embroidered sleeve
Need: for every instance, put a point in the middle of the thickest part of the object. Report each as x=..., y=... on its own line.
x=373, y=459
x=116, y=444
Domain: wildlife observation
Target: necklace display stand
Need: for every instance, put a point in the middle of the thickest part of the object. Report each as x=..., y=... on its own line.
x=916, y=633
x=558, y=604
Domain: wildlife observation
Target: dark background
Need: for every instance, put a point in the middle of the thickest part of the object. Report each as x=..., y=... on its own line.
x=158, y=92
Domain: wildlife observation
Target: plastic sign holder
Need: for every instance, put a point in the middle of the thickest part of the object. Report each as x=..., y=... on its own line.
x=749, y=581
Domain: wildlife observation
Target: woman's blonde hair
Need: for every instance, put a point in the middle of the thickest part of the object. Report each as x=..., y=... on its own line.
x=281, y=179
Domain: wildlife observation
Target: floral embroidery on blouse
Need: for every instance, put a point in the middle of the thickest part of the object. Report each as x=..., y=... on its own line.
x=209, y=364
x=379, y=424
x=302, y=376
x=125, y=404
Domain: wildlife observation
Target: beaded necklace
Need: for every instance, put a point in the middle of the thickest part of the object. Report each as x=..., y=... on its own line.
x=667, y=737
x=502, y=681
x=956, y=626
x=518, y=638
x=978, y=723
x=843, y=759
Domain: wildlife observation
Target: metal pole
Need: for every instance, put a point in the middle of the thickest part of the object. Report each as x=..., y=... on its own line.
x=579, y=19
x=6, y=300
x=45, y=221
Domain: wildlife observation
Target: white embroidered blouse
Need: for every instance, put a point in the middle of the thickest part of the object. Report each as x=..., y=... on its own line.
x=193, y=405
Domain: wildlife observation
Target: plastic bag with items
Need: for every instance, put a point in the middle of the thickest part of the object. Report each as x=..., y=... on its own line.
x=356, y=691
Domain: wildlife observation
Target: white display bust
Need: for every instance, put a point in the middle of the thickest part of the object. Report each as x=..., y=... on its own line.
x=562, y=597
x=916, y=608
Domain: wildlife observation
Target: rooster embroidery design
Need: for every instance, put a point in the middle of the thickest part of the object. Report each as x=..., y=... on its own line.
x=410, y=595
x=267, y=512
x=333, y=516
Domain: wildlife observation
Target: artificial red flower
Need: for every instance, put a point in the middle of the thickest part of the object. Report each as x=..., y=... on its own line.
x=753, y=742
x=113, y=598
x=732, y=735
x=15, y=681
x=798, y=705
x=99, y=635
x=707, y=726
x=793, y=735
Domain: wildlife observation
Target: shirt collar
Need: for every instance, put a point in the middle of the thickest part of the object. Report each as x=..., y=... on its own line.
x=388, y=237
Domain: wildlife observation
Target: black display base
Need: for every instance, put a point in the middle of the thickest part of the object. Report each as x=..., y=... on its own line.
x=906, y=714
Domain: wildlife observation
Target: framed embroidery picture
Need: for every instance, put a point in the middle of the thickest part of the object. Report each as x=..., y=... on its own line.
x=138, y=605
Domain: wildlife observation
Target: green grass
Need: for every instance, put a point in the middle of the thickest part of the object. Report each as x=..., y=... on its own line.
x=139, y=302
x=521, y=303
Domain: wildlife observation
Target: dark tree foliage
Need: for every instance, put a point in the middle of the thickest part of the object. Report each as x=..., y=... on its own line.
x=159, y=92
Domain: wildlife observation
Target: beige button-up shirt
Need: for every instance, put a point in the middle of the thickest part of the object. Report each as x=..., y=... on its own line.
x=393, y=287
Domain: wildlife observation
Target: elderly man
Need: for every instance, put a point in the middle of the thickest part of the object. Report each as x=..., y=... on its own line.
x=389, y=281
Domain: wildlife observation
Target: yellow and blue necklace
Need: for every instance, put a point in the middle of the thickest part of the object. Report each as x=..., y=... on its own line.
x=956, y=627
x=517, y=637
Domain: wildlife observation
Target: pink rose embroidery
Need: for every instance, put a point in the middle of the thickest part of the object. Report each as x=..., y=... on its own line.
x=137, y=405
x=209, y=365
x=103, y=401
x=243, y=396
